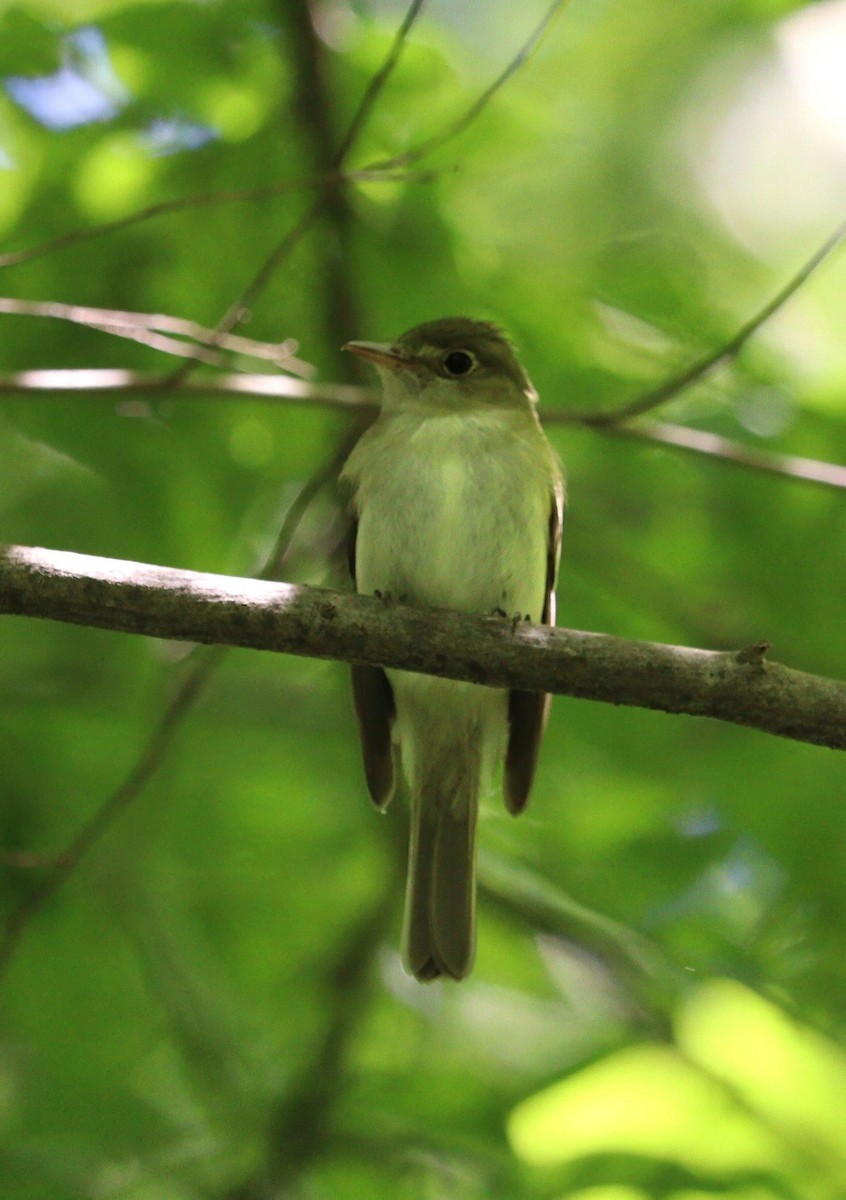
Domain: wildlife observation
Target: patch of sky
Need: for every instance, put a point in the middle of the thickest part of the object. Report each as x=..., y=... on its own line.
x=171, y=135
x=84, y=90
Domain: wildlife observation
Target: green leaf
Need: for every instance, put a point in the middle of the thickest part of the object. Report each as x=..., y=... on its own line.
x=28, y=45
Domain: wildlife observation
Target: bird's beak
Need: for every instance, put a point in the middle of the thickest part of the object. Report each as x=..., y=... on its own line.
x=380, y=353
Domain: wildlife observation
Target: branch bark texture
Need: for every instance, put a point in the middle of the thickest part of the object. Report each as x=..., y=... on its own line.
x=739, y=687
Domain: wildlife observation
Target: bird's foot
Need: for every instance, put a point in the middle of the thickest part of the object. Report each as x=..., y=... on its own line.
x=388, y=598
x=515, y=619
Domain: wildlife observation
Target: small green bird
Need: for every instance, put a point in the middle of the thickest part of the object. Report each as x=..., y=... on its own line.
x=457, y=500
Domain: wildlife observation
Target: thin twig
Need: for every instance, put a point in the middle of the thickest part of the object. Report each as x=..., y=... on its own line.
x=171, y=346
x=298, y=1127
x=118, y=381
x=239, y=311
x=348, y=397
x=479, y=104
x=152, y=753
x=378, y=82
x=158, y=742
x=727, y=450
x=325, y=475
x=653, y=982
x=729, y=350
x=204, y=200
x=136, y=325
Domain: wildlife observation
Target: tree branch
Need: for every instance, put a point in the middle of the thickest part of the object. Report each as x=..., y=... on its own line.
x=299, y=1129
x=240, y=309
x=729, y=450
x=741, y=688
x=466, y=118
x=651, y=981
x=728, y=351
x=158, y=742
x=204, y=200
x=119, y=381
x=147, y=328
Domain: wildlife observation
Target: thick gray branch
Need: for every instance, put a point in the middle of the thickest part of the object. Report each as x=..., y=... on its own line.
x=138, y=598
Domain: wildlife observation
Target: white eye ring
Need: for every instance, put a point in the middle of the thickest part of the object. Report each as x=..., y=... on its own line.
x=459, y=362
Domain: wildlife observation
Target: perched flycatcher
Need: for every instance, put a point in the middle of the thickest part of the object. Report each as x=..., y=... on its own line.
x=456, y=497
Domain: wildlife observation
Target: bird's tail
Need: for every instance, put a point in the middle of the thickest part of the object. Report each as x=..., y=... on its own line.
x=440, y=915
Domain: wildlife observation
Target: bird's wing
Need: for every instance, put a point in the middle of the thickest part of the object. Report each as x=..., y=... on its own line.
x=527, y=711
x=374, y=707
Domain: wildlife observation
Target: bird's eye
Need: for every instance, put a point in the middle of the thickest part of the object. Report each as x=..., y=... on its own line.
x=459, y=362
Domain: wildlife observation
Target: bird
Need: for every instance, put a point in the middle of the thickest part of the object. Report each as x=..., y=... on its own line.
x=456, y=501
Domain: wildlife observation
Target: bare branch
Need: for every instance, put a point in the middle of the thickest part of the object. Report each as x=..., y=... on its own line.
x=162, y=208
x=206, y=200
x=119, y=381
x=740, y=688
x=479, y=104
x=238, y=311
x=725, y=353
x=346, y=397
x=700, y=441
x=650, y=979
x=145, y=328
x=158, y=742
x=378, y=82
x=300, y=1116
x=157, y=745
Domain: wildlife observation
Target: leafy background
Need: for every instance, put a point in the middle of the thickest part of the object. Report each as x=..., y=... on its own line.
x=211, y=1006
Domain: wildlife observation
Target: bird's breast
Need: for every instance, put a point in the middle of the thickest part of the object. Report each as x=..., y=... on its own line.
x=455, y=515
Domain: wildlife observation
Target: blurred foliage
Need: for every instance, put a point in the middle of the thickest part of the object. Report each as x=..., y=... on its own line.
x=212, y=1005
